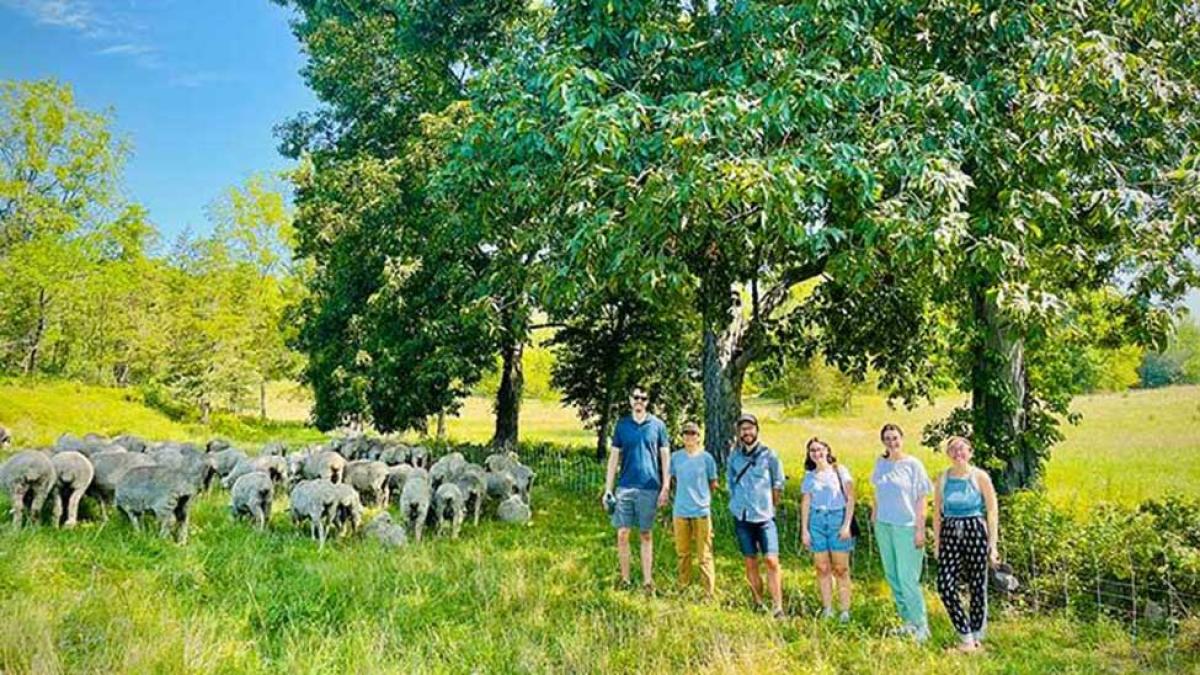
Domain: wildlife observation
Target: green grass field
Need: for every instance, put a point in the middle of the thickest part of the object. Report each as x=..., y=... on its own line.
x=514, y=598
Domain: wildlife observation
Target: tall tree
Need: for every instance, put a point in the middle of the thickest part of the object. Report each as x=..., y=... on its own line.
x=1076, y=126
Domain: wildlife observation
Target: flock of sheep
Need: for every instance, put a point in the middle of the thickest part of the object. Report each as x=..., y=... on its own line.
x=328, y=485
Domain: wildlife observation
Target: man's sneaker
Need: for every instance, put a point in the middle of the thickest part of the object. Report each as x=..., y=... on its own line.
x=827, y=613
x=844, y=617
x=778, y=614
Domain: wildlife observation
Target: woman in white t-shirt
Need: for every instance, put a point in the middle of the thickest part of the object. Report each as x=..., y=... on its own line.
x=826, y=509
x=901, y=487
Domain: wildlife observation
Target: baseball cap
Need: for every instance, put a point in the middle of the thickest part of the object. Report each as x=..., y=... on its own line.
x=746, y=417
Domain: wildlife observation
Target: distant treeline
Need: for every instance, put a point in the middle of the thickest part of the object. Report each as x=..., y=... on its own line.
x=88, y=291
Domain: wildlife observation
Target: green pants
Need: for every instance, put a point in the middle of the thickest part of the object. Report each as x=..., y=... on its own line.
x=902, y=563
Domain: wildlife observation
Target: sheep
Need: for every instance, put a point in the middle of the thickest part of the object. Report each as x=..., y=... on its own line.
x=501, y=485
x=325, y=464
x=450, y=508
x=109, y=469
x=348, y=509
x=523, y=480
x=275, y=467
x=130, y=443
x=5, y=438
x=414, y=501
x=500, y=461
x=251, y=496
x=396, y=477
x=382, y=529
x=74, y=474
x=418, y=456
x=69, y=441
x=160, y=490
x=216, y=445
x=370, y=479
x=445, y=468
x=314, y=501
x=225, y=461
x=513, y=510
x=189, y=461
x=27, y=477
x=273, y=449
x=394, y=453
x=473, y=484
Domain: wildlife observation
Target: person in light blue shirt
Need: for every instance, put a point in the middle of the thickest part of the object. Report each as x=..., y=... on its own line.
x=826, y=512
x=695, y=474
x=755, y=479
x=640, y=453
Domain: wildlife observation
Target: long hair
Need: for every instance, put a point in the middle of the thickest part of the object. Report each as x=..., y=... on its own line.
x=886, y=428
x=809, y=464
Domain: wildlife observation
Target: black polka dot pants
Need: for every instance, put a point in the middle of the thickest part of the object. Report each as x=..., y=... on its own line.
x=963, y=559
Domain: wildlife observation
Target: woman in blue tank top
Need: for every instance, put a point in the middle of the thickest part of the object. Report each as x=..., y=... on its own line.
x=965, y=537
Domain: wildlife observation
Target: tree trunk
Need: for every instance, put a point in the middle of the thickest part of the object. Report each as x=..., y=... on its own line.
x=262, y=400
x=724, y=364
x=205, y=409
x=603, y=433
x=999, y=396
x=35, y=343
x=441, y=425
x=508, y=397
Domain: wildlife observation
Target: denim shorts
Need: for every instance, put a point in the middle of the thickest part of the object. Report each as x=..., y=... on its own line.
x=635, y=508
x=823, y=528
x=757, y=538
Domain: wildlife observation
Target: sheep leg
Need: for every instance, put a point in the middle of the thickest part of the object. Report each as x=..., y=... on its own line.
x=420, y=525
x=166, y=522
x=478, y=507
x=321, y=533
x=73, y=507
x=39, y=501
x=385, y=496
x=18, y=504
x=458, y=520
x=137, y=524
x=183, y=527
x=56, y=507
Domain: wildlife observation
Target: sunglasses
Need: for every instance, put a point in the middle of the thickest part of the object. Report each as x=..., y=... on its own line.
x=640, y=397
x=691, y=433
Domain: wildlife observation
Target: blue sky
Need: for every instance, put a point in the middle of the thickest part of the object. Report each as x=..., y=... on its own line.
x=195, y=85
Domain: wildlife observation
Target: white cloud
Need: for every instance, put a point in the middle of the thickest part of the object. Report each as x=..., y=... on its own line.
x=128, y=48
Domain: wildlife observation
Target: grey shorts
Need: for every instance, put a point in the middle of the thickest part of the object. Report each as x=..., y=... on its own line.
x=635, y=508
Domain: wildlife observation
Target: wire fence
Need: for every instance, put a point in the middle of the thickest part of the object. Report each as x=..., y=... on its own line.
x=1145, y=605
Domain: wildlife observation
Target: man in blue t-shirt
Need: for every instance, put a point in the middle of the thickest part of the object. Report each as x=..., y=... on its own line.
x=641, y=451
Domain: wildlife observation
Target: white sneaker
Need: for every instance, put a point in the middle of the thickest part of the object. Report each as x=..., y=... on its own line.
x=827, y=613
x=921, y=635
x=844, y=617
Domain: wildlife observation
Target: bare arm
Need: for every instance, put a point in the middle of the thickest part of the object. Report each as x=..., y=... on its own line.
x=776, y=496
x=664, y=459
x=850, y=501
x=919, y=533
x=805, y=501
x=610, y=473
x=937, y=515
x=993, y=516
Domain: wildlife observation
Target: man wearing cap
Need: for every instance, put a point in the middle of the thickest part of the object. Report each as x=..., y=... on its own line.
x=641, y=450
x=756, y=479
x=695, y=475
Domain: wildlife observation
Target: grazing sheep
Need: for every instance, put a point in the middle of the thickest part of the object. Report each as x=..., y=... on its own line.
x=275, y=467
x=471, y=480
x=414, y=501
x=316, y=502
x=130, y=443
x=370, y=479
x=216, y=445
x=189, y=461
x=27, y=477
x=446, y=468
x=500, y=486
x=273, y=449
x=500, y=461
x=158, y=490
x=251, y=496
x=74, y=475
x=69, y=441
x=513, y=510
x=523, y=480
x=325, y=464
x=225, y=461
x=348, y=509
x=418, y=456
x=5, y=438
x=394, y=453
x=110, y=468
x=396, y=477
x=450, y=508
x=382, y=529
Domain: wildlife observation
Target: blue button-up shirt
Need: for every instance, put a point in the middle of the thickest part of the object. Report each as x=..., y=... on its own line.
x=750, y=498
